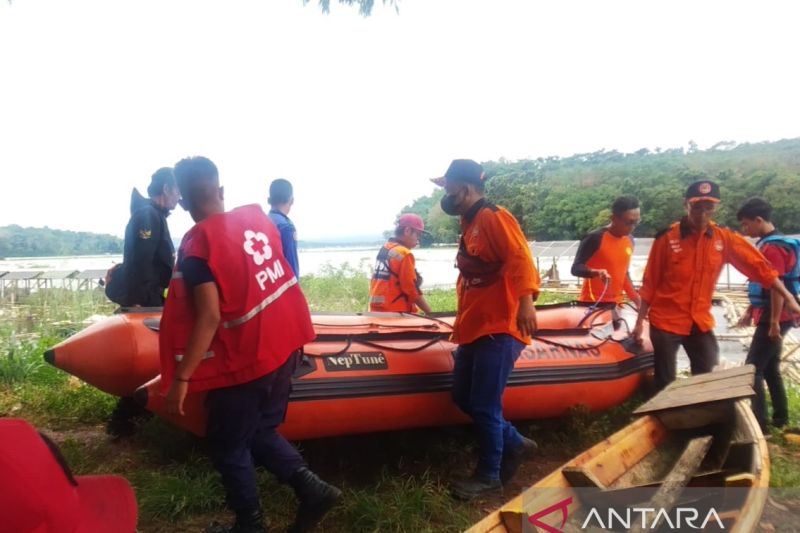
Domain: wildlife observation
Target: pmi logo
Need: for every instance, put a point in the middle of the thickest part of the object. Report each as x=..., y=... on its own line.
x=648, y=518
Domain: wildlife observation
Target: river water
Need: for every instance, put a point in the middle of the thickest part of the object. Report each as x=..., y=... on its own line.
x=435, y=264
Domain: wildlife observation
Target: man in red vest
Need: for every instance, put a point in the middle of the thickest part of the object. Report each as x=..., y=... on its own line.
x=233, y=324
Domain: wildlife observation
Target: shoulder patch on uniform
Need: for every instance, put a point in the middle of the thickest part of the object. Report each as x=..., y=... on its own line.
x=145, y=234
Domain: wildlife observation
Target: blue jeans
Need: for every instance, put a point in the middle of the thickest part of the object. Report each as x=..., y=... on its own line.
x=480, y=374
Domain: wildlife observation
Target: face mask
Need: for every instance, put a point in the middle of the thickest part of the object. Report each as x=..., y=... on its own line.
x=449, y=204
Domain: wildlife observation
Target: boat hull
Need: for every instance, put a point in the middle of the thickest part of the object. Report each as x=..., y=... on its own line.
x=376, y=372
x=641, y=451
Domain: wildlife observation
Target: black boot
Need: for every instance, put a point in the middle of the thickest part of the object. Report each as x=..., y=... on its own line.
x=246, y=522
x=124, y=417
x=316, y=498
x=512, y=459
x=475, y=487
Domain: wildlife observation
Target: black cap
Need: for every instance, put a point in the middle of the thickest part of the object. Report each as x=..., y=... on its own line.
x=463, y=171
x=703, y=190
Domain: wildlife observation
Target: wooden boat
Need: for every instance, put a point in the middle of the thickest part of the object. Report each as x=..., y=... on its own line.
x=699, y=432
x=384, y=371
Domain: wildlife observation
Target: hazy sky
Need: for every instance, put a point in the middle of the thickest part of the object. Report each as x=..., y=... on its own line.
x=358, y=113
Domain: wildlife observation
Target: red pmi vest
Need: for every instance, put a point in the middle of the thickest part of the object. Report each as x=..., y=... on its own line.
x=264, y=315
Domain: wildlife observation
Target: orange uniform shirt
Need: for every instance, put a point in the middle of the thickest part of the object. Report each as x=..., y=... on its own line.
x=492, y=234
x=682, y=272
x=394, y=283
x=602, y=250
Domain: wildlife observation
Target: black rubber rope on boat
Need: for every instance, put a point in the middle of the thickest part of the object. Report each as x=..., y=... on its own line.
x=591, y=315
x=379, y=347
x=442, y=337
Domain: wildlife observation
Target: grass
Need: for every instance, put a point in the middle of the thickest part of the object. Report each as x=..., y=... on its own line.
x=784, y=455
x=394, y=481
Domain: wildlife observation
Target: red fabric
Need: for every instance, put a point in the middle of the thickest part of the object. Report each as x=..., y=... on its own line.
x=264, y=314
x=782, y=259
x=36, y=495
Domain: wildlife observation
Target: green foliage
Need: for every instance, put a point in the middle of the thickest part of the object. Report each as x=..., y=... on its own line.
x=364, y=6
x=16, y=241
x=563, y=198
x=337, y=289
x=401, y=502
x=176, y=490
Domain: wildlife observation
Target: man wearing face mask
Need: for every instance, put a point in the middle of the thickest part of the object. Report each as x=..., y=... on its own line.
x=497, y=285
x=679, y=281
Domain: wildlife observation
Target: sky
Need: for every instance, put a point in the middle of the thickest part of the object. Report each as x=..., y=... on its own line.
x=358, y=113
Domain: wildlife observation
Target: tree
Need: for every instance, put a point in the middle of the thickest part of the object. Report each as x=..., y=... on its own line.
x=563, y=198
x=364, y=6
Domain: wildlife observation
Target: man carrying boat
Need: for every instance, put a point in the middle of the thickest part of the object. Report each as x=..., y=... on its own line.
x=766, y=309
x=679, y=281
x=233, y=325
x=604, y=256
x=395, y=284
x=497, y=286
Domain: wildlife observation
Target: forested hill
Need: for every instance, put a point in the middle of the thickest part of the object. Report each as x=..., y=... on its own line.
x=16, y=241
x=563, y=198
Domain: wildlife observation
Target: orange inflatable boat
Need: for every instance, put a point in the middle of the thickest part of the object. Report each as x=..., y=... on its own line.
x=383, y=371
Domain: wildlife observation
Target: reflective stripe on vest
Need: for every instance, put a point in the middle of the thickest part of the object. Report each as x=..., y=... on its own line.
x=263, y=305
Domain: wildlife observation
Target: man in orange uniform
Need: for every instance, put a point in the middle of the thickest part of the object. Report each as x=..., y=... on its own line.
x=395, y=284
x=679, y=281
x=604, y=256
x=233, y=324
x=497, y=285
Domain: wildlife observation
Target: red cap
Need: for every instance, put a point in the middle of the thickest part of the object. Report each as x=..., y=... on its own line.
x=39, y=495
x=410, y=220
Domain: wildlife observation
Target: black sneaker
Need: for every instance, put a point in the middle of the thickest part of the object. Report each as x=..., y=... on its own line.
x=475, y=487
x=513, y=459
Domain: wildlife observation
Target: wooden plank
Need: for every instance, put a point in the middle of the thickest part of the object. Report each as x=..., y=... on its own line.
x=684, y=400
x=728, y=373
x=679, y=477
x=721, y=384
x=697, y=415
x=667, y=397
x=741, y=480
x=705, y=388
x=579, y=476
x=615, y=460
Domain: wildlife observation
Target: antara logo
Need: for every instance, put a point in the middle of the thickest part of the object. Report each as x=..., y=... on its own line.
x=678, y=519
x=257, y=245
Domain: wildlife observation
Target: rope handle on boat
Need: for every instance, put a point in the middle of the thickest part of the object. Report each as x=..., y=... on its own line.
x=378, y=346
x=599, y=300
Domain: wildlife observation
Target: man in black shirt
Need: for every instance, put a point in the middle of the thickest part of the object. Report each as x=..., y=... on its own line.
x=149, y=253
x=147, y=267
